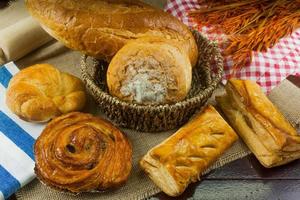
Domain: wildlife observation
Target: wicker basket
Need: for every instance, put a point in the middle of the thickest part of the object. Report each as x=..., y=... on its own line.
x=153, y=118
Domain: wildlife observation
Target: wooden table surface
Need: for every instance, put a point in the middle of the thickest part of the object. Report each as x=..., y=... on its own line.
x=245, y=179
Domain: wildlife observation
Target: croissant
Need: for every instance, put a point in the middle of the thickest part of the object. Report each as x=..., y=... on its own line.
x=183, y=157
x=41, y=92
x=272, y=139
x=78, y=152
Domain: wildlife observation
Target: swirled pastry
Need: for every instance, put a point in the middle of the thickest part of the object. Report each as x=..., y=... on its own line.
x=78, y=152
x=183, y=157
x=260, y=124
x=40, y=92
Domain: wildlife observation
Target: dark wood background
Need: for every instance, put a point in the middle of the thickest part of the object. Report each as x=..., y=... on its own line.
x=246, y=179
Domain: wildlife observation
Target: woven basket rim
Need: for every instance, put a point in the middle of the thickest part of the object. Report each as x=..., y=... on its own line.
x=158, y=107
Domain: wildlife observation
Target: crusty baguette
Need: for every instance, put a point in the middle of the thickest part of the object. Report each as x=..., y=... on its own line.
x=101, y=27
x=183, y=157
x=260, y=124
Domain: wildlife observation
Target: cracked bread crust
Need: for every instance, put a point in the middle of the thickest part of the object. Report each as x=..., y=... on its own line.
x=101, y=28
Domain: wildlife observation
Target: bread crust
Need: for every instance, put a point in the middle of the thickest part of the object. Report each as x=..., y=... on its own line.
x=267, y=133
x=41, y=92
x=150, y=71
x=183, y=157
x=101, y=28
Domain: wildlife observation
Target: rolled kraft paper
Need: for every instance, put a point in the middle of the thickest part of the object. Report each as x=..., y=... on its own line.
x=20, y=39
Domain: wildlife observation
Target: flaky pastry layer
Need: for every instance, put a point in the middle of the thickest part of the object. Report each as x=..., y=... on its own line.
x=263, y=128
x=183, y=157
x=78, y=152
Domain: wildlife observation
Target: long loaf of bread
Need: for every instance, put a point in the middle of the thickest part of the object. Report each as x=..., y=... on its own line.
x=100, y=28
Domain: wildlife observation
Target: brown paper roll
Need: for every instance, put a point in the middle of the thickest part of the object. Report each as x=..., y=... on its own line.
x=20, y=39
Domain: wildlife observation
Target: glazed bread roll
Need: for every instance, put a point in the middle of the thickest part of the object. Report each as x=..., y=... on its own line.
x=100, y=28
x=149, y=71
x=40, y=92
x=78, y=152
x=272, y=139
x=183, y=157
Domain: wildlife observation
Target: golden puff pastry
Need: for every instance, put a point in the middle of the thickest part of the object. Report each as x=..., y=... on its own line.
x=263, y=128
x=183, y=157
x=40, y=92
x=78, y=152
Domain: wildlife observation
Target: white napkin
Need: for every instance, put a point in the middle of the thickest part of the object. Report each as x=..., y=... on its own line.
x=17, y=138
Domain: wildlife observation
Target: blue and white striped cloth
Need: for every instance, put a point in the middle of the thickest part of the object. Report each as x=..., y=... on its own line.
x=17, y=138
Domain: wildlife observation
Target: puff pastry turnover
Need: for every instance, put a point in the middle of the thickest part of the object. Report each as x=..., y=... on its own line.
x=183, y=157
x=78, y=152
x=263, y=128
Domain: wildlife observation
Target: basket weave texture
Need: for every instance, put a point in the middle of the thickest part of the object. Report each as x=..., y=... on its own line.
x=154, y=118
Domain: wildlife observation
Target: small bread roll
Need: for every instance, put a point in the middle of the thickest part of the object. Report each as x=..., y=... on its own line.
x=41, y=92
x=150, y=71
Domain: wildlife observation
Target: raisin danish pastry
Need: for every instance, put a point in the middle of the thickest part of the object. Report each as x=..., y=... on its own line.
x=78, y=152
x=183, y=157
x=263, y=128
x=40, y=92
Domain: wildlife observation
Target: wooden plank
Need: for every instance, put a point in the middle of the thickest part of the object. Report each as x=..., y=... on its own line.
x=250, y=168
x=240, y=189
x=295, y=80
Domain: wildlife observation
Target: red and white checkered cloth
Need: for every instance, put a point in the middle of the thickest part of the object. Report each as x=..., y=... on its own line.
x=267, y=69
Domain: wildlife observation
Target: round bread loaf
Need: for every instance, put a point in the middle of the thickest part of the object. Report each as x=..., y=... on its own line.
x=150, y=71
x=41, y=92
x=100, y=28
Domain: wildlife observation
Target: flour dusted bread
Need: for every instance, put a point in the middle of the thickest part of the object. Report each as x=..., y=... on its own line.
x=100, y=28
x=40, y=92
x=263, y=128
x=183, y=157
x=150, y=71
